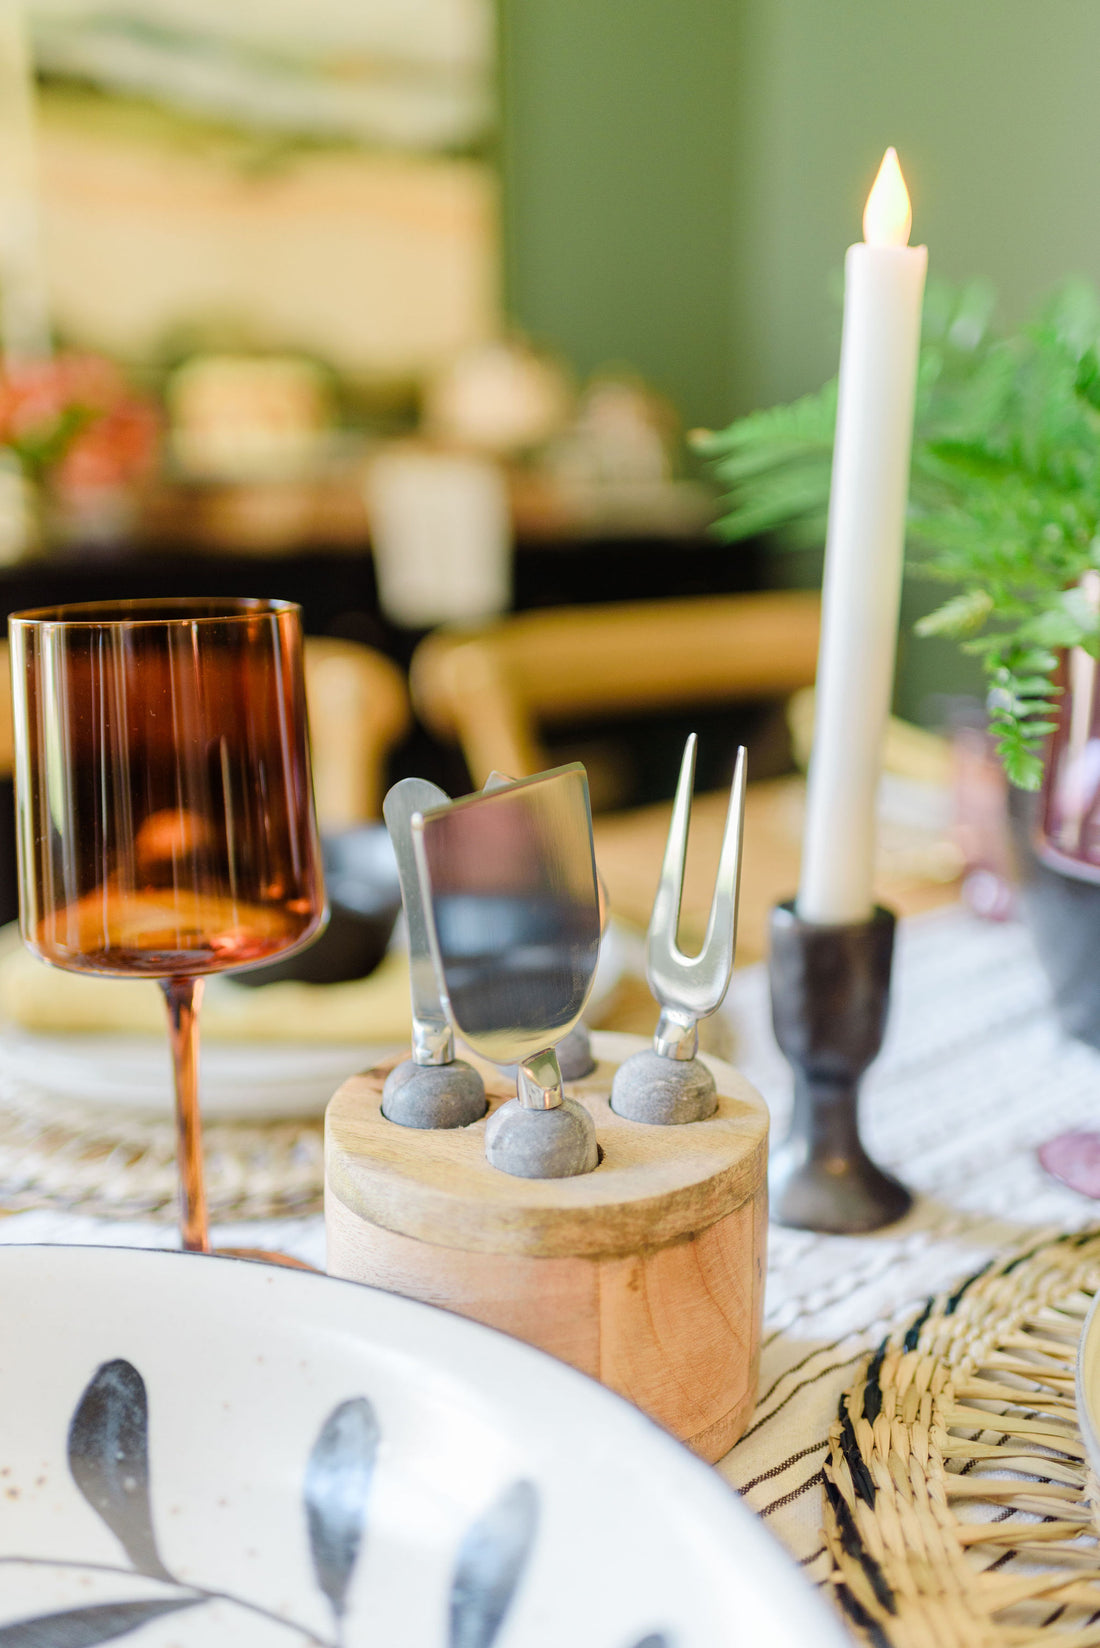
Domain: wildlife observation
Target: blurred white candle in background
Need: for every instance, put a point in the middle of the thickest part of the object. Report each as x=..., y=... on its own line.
x=883, y=288
x=441, y=533
x=24, y=304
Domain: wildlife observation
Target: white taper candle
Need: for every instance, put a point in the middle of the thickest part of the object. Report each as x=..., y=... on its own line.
x=883, y=288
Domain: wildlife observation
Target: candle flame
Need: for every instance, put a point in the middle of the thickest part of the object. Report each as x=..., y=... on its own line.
x=888, y=216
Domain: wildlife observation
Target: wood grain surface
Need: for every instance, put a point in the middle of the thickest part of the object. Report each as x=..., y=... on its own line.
x=654, y=1184
x=647, y=1274
x=630, y=845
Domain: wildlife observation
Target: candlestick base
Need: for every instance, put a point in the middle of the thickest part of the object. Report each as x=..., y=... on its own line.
x=830, y=989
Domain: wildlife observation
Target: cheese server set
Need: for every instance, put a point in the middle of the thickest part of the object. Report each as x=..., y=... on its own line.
x=503, y=912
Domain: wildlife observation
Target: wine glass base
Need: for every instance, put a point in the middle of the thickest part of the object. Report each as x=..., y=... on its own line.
x=265, y=1256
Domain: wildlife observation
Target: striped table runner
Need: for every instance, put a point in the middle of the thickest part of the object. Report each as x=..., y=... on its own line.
x=974, y=1076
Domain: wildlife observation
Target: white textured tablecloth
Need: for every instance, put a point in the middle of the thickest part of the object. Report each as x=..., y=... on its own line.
x=974, y=1076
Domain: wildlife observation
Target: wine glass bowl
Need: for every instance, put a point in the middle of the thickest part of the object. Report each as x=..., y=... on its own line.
x=364, y=901
x=164, y=808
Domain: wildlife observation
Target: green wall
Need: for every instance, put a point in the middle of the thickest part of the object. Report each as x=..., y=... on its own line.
x=992, y=106
x=682, y=176
x=620, y=169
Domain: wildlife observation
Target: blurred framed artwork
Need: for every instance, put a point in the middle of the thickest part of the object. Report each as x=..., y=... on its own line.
x=269, y=175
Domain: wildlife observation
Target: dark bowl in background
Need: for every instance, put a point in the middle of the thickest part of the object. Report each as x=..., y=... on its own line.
x=1062, y=911
x=364, y=896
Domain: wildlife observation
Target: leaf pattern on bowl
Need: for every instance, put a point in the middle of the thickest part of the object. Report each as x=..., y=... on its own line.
x=84, y=1627
x=108, y=1455
x=337, y=1488
x=490, y=1564
x=109, y=1460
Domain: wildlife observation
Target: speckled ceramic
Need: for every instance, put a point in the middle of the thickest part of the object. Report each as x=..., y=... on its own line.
x=206, y=1453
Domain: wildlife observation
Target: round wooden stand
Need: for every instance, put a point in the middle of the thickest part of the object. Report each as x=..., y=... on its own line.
x=647, y=1273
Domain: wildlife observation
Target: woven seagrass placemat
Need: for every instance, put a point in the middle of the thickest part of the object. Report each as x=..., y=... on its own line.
x=112, y=1164
x=959, y=1510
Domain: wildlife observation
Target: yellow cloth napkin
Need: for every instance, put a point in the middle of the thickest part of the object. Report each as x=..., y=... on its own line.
x=374, y=1009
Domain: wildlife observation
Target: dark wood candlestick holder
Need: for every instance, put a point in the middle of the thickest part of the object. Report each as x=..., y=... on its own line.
x=830, y=989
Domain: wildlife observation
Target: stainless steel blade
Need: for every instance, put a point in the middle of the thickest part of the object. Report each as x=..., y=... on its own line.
x=513, y=911
x=433, y=1042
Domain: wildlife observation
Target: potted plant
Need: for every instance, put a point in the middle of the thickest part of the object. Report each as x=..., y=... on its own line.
x=1004, y=509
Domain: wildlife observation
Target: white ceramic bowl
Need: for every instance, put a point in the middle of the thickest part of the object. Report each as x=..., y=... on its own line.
x=210, y=1452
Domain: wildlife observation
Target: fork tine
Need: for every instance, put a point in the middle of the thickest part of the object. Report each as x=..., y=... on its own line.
x=697, y=984
x=664, y=923
x=721, y=937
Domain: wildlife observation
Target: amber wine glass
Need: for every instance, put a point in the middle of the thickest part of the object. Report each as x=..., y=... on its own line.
x=164, y=807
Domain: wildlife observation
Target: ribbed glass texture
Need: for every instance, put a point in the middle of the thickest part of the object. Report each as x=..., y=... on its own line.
x=163, y=793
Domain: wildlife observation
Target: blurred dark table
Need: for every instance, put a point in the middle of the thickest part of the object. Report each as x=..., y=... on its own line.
x=335, y=587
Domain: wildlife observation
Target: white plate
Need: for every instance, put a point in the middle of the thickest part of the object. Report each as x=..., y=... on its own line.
x=283, y=1458
x=239, y=1081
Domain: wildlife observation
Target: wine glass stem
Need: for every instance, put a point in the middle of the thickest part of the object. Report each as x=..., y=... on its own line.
x=184, y=997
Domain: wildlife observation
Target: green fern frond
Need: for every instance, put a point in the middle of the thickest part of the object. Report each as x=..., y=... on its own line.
x=1022, y=706
x=805, y=425
x=960, y=616
x=780, y=499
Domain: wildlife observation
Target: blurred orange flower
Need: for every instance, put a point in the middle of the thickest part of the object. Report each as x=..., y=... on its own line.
x=75, y=419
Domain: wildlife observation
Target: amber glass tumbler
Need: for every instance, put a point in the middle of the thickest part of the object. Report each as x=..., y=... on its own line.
x=164, y=805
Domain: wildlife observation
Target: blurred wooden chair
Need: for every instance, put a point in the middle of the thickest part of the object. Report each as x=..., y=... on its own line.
x=492, y=689
x=358, y=710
